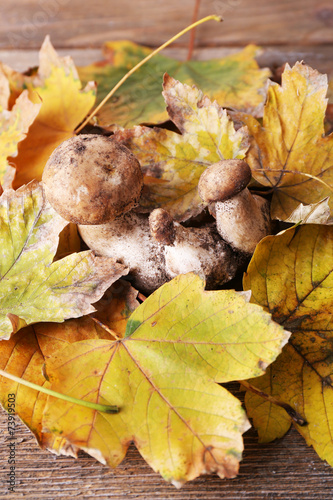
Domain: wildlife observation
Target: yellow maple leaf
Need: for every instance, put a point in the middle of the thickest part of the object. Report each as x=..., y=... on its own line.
x=14, y=125
x=290, y=153
x=64, y=106
x=291, y=276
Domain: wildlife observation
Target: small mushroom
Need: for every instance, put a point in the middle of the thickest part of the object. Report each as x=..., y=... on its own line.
x=162, y=227
x=242, y=219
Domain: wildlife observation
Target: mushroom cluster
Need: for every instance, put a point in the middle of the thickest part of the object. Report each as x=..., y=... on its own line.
x=95, y=182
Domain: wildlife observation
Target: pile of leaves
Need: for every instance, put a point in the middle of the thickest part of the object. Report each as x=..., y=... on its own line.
x=161, y=360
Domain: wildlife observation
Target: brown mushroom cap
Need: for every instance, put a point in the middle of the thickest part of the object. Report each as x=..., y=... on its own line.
x=223, y=180
x=91, y=179
x=162, y=227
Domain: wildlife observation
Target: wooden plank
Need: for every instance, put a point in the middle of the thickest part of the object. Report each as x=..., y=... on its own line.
x=287, y=469
x=77, y=23
x=289, y=30
x=320, y=58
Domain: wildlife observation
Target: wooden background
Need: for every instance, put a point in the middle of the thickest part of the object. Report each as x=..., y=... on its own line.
x=288, y=30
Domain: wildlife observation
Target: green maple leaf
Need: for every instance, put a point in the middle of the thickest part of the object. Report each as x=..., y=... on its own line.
x=234, y=81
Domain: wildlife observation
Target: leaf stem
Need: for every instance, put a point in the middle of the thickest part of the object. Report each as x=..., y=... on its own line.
x=87, y=404
x=297, y=418
x=192, y=36
x=141, y=63
x=111, y=332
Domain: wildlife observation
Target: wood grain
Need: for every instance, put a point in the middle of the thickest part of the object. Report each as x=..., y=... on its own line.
x=77, y=23
x=289, y=30
x=284, y=470
x=320, y=58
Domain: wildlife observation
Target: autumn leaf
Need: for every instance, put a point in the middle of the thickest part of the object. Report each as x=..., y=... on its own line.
x=317, y=213
x=69, y=241
x=234, y=81
x=14, y=125
x=290, y=154
x=21, y=356
x=174, y=162
x=290, y=275
x=161, y=375
x=25, y=353
x=32, y=288
x=64, y=106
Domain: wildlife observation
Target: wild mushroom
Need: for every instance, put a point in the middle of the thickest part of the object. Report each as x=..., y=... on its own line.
x=95, y=182
x=242, y=219
x=157, y=249
x=92, y=179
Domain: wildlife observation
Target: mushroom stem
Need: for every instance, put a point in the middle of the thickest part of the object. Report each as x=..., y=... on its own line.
x=128, y=239
x=242, y=221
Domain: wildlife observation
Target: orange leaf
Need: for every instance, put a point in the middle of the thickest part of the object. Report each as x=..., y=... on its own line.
x=64, y=106
x=14, y=125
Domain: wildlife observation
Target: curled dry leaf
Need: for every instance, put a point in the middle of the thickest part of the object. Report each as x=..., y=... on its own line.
x=316, y=213
x=234, y=81
x=161, y=375
x=291, y=276
x=290, y=153
x=32, y=288
x=174, y=162
x=64, y=105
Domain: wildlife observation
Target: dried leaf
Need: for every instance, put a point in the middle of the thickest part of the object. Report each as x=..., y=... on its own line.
x=177, y=161
x=14, y=125
x=161, y=375
x=64, y=106
x=32, y=288
x=234, y=81
x=290, y=275
x=317, y=213
x=290, y=154
x=69, y=241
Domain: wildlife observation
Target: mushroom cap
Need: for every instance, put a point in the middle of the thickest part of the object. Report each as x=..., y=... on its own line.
x=92, y=179
x=162, y=227
x=223, y=180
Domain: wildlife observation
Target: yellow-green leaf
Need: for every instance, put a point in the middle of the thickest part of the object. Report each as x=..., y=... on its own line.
x=32, y=288
x=290, y=275
x=290, y=153
x=161, y=376
x=234, y=81
x=24, y=356
x=172, y=162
